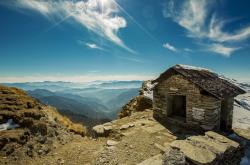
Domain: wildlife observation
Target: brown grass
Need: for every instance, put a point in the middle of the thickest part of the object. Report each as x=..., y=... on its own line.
x=73, y=127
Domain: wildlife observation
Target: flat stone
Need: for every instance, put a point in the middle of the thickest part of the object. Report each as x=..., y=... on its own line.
x=244, y=133
x=155, y=128
x=155, y=160
x=131, y=124
x=112, y=142
x=160, y=147
x=195, y=154
x=219, y=148
x=124, y=127
x=108, y=124
x=222, y=139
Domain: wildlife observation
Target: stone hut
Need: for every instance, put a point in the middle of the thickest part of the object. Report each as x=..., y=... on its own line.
x=195, y=98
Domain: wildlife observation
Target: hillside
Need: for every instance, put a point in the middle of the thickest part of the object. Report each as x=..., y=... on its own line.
x=28, y=128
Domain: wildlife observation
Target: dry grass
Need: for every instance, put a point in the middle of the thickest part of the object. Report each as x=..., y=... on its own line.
x=16, y=104
x=16, y=99
x=73, y=127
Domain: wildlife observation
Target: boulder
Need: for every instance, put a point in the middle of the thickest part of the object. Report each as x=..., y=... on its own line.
x=102, y=130
x=107, y=128
x=99, y=130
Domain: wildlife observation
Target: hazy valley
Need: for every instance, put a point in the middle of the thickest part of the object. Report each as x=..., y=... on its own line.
x=87, y=103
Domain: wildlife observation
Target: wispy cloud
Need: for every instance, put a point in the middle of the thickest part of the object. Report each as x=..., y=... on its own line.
x=90, y=45
x=187, y=50
x=99, y=16
x=43, y=7
x=133, y=59
x=93, y=46
x=221, y=49
x=170, y=47
x=202, y=22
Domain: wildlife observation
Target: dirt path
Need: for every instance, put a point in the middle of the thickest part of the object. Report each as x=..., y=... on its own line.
x=79, y=151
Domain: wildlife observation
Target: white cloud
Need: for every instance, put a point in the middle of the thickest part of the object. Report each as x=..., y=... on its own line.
x=190, y=15
x=99, y=16
x=43, y=7
x=93, y=46
x=76, y=78
x=187, y=50
x=221, y=49
x=201, y=22
x=170, y=47
x=216, y=33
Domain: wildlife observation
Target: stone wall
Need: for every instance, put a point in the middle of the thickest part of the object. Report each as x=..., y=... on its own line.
x=202, y=110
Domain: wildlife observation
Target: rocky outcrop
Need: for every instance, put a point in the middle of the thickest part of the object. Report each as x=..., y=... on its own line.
x=28, y=128
x=139, y=103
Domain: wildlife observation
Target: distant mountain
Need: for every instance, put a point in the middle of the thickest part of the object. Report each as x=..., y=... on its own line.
x=119, y=85
x=60, y=85
x=116, y=103
x=81, y=110
x=39, y=93
x=96, y=100
x=36, y=85
x=102, y=94
x=67, y=102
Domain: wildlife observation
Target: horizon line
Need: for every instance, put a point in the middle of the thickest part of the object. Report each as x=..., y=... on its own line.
x=74, y=79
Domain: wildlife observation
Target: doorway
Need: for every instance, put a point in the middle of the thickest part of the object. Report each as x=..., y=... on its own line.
x=176, y=106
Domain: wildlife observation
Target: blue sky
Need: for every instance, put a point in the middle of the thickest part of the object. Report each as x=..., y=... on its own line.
x=121, y=39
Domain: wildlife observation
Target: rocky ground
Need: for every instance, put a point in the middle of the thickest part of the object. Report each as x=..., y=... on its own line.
x=131, y=138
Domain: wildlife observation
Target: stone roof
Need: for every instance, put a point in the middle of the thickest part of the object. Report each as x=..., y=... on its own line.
x=205, y=79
